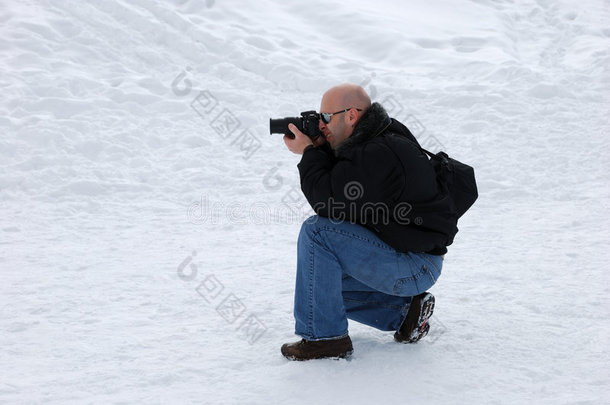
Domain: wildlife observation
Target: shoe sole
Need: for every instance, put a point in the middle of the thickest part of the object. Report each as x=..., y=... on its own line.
x=419, y=328
x=345, y=356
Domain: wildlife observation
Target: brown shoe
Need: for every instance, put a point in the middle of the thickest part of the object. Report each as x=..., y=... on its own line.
x=318, y=349
x=416, y=326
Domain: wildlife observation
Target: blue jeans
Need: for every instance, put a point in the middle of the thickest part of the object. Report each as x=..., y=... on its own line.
x=345, y=271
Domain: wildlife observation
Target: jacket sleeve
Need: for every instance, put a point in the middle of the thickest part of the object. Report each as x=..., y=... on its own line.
x=353, y=188
x=314, y=169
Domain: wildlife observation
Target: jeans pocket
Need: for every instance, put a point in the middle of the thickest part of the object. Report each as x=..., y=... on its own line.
x=433, y=269
x=430, y=273
x=411, y=285
x=406, y=287
x=416, y=284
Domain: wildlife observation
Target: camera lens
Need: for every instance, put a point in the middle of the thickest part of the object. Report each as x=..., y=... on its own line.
x=280, y=126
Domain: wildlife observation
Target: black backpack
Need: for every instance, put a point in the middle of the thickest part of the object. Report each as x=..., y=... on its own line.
x=456, y=180
x=457, y=192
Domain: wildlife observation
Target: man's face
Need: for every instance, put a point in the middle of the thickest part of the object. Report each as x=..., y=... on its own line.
x=337, y=130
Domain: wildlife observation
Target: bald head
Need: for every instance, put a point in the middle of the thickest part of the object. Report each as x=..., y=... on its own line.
x=347, y=95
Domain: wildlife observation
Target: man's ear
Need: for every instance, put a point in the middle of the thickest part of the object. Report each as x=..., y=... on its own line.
x=353, y=116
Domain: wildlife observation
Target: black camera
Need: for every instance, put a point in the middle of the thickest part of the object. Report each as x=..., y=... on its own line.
x=307, y=123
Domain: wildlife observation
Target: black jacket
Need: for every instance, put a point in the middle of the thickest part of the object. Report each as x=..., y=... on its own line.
x=378, y=178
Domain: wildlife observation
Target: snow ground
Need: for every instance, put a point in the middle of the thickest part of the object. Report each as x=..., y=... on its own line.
x=148, y=249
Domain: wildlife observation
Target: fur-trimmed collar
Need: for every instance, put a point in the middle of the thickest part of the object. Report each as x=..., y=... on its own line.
x=372, y=123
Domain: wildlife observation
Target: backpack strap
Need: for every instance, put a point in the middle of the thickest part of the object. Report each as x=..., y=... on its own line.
x=439, y=157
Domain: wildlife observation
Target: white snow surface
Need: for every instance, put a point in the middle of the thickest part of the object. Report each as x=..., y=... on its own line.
x=125, y=168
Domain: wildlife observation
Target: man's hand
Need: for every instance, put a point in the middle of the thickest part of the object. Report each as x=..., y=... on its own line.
x=300, y=141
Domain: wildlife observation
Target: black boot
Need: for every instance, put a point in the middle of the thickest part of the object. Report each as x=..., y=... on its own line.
x=416, y=326
x=318, y=349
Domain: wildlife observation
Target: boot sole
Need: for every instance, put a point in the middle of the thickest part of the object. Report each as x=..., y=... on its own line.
x=345, y=355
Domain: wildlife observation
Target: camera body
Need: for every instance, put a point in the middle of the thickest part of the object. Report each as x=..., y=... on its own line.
x=307, y=123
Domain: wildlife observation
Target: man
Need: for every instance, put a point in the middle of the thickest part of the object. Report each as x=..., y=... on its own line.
x=364, y=256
